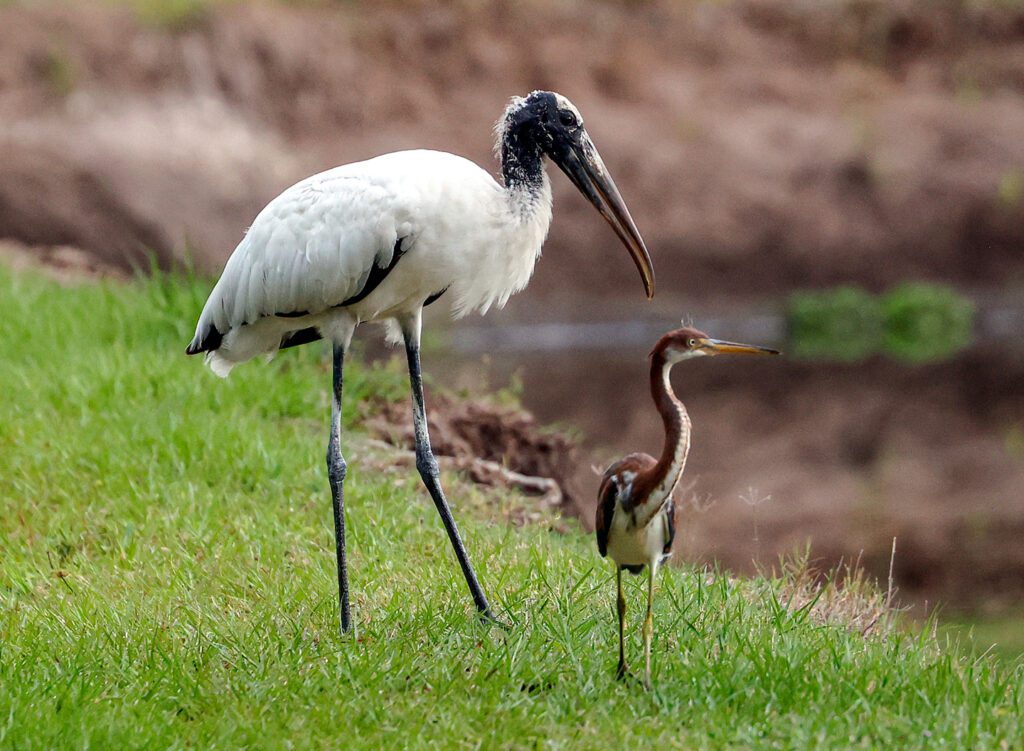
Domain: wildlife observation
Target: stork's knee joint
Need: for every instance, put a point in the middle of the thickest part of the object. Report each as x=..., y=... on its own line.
x=337, y=468
x=427, y=464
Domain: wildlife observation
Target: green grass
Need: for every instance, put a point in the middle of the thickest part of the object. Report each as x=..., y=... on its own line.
x=1001, y=633
x=166, y=581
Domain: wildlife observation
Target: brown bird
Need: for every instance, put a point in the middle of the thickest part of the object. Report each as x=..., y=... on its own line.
x=635, y=515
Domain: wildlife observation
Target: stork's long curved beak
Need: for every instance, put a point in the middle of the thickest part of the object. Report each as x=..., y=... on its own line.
x=718, y=347
x=583, y=165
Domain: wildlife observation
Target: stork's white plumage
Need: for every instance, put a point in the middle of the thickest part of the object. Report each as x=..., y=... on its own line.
x=378, y=240
x=453, y=227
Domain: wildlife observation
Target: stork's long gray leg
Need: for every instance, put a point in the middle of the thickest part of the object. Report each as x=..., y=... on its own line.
x=336, y=469
x=427, y=464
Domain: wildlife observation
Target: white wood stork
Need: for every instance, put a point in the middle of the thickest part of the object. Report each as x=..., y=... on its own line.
x=379, y=240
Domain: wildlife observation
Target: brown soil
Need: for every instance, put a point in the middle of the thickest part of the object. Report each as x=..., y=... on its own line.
x=486, y=436
x=64, y=263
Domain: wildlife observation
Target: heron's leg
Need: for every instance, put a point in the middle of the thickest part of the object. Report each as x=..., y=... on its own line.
x=427, y=464
x=623, y=669
x=652, y=570
x=336, y=469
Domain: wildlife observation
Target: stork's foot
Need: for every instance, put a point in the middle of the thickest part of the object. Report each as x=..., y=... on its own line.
x=622, y=672
x=488, y=618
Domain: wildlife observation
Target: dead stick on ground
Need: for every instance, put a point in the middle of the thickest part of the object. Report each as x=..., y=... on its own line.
x=486, y=472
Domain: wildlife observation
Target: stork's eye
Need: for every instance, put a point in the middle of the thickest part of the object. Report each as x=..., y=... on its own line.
x=568, y=119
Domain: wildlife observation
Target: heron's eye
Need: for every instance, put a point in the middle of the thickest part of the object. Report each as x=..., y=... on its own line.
x=691, y=343
x=567, y=118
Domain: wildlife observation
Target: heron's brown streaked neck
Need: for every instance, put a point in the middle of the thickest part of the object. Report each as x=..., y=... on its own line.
x=677, y=425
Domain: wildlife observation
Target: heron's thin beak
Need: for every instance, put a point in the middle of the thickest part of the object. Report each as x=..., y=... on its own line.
x=584, y=166
x=718, y=347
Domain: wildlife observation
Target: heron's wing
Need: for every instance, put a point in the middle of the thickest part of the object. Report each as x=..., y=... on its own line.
x=617, y=485
x=606, y=497
x=670, y=525
x=315, y=246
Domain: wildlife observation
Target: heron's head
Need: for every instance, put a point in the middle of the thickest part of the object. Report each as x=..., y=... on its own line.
x=547, y=124
x=687, y=342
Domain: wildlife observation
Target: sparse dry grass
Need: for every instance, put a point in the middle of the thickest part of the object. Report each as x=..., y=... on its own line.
x=844, y=596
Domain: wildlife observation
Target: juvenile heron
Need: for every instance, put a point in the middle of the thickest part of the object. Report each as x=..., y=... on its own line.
x=635, y=515
x=379, y=240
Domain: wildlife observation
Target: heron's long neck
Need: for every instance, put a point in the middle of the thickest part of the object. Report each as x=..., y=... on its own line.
x=664, y=476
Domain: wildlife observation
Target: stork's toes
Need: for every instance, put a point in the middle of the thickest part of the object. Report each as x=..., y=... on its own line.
x=488, y=618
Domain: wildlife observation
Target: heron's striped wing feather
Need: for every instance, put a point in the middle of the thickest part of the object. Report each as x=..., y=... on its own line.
x=670, y=525
x=606, y=497
x=617, y=487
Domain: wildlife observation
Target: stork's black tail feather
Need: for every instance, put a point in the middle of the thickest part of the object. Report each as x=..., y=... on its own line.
x=207, y=341
x=302, y=336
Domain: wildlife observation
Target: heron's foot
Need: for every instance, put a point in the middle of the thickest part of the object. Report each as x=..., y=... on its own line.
x=647, y=680
x=624, y=674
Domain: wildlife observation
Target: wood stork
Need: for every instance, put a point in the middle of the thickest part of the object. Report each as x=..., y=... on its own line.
x=379, y=240
x=635, y=515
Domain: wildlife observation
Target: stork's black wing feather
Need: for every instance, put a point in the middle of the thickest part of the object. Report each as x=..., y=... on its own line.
x=207, y=341
x=209, y=338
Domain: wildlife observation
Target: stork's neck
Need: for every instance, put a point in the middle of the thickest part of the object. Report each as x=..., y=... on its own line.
x=522, y=169
x=665, y=474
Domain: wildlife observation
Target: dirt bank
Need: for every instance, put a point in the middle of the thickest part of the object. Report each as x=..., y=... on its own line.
x=761, y=145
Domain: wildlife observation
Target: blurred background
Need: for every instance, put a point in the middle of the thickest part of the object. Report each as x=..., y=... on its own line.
x=841, y=178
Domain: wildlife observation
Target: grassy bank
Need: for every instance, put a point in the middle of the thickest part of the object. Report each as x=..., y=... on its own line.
x=167, y=581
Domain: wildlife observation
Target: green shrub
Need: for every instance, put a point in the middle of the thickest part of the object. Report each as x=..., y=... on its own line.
x=926, y=322
x=171, y=15
x=915, y=322
x=60, y=73
x=843, y=324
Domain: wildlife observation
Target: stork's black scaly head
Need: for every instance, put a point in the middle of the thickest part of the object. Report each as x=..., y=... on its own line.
x=687, y=342
x=542, y=123
x=548, y=124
